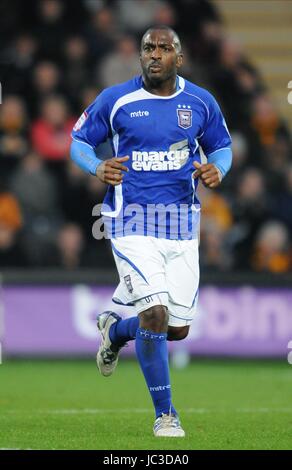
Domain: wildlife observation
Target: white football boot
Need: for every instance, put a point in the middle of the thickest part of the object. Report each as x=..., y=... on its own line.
x=168, y=425
x=107, y=357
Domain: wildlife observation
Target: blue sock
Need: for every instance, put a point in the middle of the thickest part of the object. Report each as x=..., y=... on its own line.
x=152, y=354
x=124, y=330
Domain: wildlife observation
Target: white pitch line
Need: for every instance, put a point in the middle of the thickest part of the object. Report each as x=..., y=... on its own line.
x=147, y=410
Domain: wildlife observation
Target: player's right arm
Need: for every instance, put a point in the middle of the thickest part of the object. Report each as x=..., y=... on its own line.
x=91, y=129
x=109, y=171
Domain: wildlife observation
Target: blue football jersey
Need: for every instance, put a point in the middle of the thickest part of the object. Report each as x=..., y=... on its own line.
x=162, y=136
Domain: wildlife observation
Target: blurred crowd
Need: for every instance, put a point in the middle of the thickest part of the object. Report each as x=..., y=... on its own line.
x=56, y=56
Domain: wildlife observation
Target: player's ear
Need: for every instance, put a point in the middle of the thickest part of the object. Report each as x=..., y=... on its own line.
x=179, y=60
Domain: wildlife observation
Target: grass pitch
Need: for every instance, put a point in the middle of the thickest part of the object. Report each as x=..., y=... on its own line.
x=67, y=405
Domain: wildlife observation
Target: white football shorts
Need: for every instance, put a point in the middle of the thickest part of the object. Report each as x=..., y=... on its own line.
x=156, y=271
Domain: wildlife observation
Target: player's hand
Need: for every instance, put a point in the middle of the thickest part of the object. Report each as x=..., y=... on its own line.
x=111, y=171
x=208, y=174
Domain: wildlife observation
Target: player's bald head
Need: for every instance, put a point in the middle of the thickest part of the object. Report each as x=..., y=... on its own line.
x=162, y=28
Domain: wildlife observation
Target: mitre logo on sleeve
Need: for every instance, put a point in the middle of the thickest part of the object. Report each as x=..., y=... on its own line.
x=184, y=116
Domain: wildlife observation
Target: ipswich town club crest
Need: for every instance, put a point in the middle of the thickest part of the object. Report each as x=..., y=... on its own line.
x=184, y=116
x=128, y=282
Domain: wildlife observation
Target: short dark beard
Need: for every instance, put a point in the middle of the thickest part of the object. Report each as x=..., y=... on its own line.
x=153, y=81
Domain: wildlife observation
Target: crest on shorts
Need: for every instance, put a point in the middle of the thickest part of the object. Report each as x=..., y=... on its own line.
x=128, y=283
x=184, y=116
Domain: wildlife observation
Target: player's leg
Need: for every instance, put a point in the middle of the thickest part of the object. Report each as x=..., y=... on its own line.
x=140, y=268
x=116, y=332
x=123, y=330
x=182, y=276
x=151, y=350
x=177, y=333
x=152, y=354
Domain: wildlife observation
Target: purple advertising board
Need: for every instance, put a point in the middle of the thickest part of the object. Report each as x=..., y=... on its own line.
x=243, y=321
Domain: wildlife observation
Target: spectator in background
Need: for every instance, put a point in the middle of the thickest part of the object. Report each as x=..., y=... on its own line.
x=70, y=251
x=281, y=203
x=50, y=28
x=215, y=209
x=21, y=58
x=50, y=133
x=79, y=194
x=266, y=120
x=239, y=151
x=216, y=223
x=95, y=5
x=235, y=81
x=37, y=193
x=205, y=43
x=191, y=15
x=275, y=162
x=165, y=15
x=120, y=65
x=240, y=159
x=46, y=81
x=271, y=251
x=11, y=254
x=251, y=209
x=215, y=255
x=86, y=96
x=193, y=70
x=13, y=127
x=74, y=196
x=135, y=16
x=101, y=33
x=76, y=67
x=69, y=248
x=11, y=20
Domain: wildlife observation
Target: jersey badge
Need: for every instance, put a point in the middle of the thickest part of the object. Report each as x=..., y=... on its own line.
x=184, y=116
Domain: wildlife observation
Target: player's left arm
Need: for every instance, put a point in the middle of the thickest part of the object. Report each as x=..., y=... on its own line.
x=212, y=173
x=216, y=144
